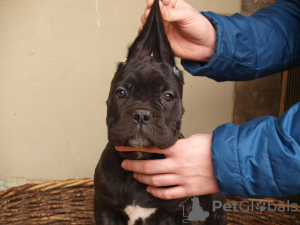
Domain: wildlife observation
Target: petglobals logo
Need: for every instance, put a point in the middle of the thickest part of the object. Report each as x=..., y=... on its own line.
x=192, y=211
x=247, y=206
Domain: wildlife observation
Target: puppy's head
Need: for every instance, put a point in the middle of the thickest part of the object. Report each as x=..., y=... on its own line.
x=144, y=107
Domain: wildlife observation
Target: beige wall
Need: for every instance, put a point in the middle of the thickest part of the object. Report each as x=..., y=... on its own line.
x=57, y=59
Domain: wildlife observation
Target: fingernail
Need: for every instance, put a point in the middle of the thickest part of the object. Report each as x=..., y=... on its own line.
x=124, y=165
x=148, y=189
x=119, y=148
x=160, y=5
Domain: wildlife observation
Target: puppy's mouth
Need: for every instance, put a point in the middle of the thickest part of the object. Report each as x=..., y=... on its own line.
x=139, y=141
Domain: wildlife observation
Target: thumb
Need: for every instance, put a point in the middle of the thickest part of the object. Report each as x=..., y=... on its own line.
x=170, y=14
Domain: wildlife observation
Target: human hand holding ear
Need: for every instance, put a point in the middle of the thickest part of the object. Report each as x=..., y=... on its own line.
x=190, y=34
x=188, y=168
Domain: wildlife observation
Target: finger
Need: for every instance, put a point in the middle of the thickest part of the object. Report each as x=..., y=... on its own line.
x=145, y=16
x=159, y=180
x=166, y=2
x=149, y=150
x=150, y=3
x=157, y=166
x=143, y=19
x=140, y=29
x=132, y=149
x=169, y=14
x=168, y=193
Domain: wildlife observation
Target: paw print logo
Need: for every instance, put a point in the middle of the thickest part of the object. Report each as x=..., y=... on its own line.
x=260, y=206
x=192, y=211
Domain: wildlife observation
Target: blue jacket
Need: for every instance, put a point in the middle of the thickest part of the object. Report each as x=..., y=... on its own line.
x=260, y=158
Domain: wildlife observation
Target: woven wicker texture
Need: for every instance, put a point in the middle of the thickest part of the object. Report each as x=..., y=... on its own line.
x=58, y=202
x=71, y=202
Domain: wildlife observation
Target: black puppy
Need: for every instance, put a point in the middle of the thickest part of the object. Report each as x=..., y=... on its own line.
x=144, y=109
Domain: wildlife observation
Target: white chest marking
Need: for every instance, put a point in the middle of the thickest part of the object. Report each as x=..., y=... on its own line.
x=135, y=212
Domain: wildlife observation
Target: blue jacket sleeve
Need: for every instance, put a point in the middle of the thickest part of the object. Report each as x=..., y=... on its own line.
x=260, y=158
x=253, y=46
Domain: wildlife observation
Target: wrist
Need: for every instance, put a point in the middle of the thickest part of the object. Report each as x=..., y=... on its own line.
x=212, y=44
x=210, y=41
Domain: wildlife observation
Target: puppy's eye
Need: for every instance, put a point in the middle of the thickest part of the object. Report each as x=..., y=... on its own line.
x=169, y=97
x=120, y=93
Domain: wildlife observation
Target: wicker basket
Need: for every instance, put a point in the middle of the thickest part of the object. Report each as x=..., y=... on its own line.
x=71, y=202
x=58, y=202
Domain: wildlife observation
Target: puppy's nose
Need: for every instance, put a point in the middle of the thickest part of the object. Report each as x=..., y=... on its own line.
x=142, y=116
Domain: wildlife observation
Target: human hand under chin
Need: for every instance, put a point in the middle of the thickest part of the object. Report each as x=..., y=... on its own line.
x=187, y=167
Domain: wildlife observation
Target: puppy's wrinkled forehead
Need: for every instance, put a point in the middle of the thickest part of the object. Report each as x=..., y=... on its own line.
x=148, y=74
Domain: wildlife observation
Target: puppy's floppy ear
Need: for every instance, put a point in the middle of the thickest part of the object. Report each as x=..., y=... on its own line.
x=152, y=39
